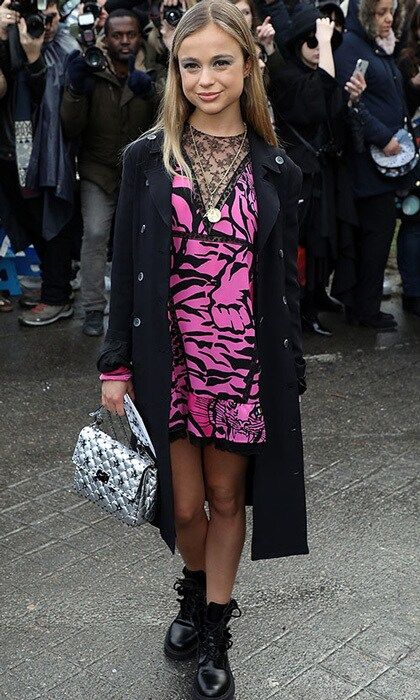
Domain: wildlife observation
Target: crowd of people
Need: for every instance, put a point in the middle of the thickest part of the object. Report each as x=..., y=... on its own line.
x=79, y=82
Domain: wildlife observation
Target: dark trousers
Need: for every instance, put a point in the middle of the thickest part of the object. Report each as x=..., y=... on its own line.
x=377, y=220
x=54, y=255
x=409, y=257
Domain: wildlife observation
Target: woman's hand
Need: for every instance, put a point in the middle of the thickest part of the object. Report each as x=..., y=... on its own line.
x=113, y=393
x=392, y=148
x=324, y=30
x=265, y=35
x=355, y=86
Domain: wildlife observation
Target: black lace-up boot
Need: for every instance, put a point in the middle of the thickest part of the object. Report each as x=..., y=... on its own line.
x=181, y=639
x=214, y=677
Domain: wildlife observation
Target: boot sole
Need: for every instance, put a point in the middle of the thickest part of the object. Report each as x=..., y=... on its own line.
x=63, y=314
x=180, y=655
x=229, y=695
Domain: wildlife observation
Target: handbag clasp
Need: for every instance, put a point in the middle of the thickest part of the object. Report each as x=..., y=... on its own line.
x=102, y=476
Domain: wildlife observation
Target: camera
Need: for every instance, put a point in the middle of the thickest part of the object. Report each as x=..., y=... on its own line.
x=172, y=14
x=33, y=12
x=94, y=57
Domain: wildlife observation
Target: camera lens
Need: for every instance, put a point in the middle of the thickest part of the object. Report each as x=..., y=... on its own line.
x=95, y=58
x=173, y=15
x=35, y=26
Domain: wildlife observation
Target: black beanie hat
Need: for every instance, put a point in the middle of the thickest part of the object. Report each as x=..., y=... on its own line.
x=303, y=23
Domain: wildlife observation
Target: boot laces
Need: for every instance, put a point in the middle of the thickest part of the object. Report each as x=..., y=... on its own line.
x=188, y=596
x=216, y=638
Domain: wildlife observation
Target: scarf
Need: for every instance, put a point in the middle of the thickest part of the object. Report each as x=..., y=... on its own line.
x=387, y=44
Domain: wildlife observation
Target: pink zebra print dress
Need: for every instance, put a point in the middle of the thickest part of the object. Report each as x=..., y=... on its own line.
x=215, y=377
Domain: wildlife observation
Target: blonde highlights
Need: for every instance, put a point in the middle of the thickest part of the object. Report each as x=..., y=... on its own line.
x=176, y=109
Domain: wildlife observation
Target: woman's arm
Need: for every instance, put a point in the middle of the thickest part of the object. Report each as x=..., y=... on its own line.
x=117, y=346
x=116, y=350
x=290, y=247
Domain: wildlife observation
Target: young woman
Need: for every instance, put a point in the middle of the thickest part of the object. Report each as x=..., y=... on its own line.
x=205, y=315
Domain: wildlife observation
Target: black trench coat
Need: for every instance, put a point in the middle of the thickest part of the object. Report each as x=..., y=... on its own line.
x=139, y=330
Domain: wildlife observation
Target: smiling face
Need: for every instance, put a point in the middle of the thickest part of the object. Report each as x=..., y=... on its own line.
x=212, y=70
x=384, y=17
x=122, y=38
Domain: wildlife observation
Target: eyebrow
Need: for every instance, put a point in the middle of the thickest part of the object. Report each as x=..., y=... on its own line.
x=214, y=58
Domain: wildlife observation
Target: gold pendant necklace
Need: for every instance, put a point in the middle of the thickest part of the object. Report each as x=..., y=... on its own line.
x=213, y=214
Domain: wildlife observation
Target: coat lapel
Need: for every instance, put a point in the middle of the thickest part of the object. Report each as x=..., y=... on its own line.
x=159, y=182
x=264, y=163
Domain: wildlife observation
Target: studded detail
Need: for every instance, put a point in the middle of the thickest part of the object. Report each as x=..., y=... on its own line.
x=281, y=253
x=286, y=344
x=136, y=322
x=285, y=301
x=151, y=137
x=122, y=481
x=279, y=160
x=140, y=277
x=143, y=228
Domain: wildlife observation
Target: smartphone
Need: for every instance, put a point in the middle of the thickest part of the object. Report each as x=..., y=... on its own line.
x=361, y=66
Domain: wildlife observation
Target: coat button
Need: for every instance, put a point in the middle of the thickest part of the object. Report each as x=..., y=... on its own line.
x=136, y=322
x=140, y=277
x=279, y=160
x=143, y=228
x=284, y=300
x=286, y=343
x=151, y=137
x=281, y=253
x=147, y=183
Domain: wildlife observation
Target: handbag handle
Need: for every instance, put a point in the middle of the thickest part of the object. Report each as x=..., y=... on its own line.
x=99, y=417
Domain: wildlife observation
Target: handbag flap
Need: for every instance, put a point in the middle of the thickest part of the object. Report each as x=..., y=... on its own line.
x=103, y=458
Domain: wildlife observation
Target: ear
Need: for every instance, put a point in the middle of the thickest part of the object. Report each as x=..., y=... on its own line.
x=248, y=66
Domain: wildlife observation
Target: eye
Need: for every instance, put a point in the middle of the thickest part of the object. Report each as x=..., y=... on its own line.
x=222, y=63
x=190, y=66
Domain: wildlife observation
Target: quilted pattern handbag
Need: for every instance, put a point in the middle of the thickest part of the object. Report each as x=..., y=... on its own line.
x=123, y=481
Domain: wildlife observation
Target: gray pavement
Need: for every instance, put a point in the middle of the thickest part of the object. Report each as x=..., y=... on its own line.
x=85, y=601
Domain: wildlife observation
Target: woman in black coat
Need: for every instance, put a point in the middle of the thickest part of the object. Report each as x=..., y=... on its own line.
x=311, y=115
x=373, y=27
x=185, y=259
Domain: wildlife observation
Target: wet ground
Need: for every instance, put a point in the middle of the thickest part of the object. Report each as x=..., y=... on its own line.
x=85, y=602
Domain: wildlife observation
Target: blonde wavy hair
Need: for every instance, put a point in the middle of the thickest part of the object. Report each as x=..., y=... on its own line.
x=176, y=109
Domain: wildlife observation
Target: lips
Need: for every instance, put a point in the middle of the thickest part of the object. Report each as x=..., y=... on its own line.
x=208, y=96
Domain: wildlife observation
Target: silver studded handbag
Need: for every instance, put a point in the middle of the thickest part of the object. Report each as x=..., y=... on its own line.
x=122, y=480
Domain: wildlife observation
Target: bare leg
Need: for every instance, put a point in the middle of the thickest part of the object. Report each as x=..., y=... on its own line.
x=191, y=521
x=224, y=475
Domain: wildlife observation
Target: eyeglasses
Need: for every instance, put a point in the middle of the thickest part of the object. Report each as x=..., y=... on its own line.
x=311, y=41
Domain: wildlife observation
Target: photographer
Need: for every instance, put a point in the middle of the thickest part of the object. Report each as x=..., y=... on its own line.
x=36, y=181
x=105, y=109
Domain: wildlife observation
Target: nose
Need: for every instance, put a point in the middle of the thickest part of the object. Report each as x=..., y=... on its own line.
x=206, y=77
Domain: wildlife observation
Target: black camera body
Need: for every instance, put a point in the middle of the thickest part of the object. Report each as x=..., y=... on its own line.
x=31, y=11
x=172, y=14
x=93, y=55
